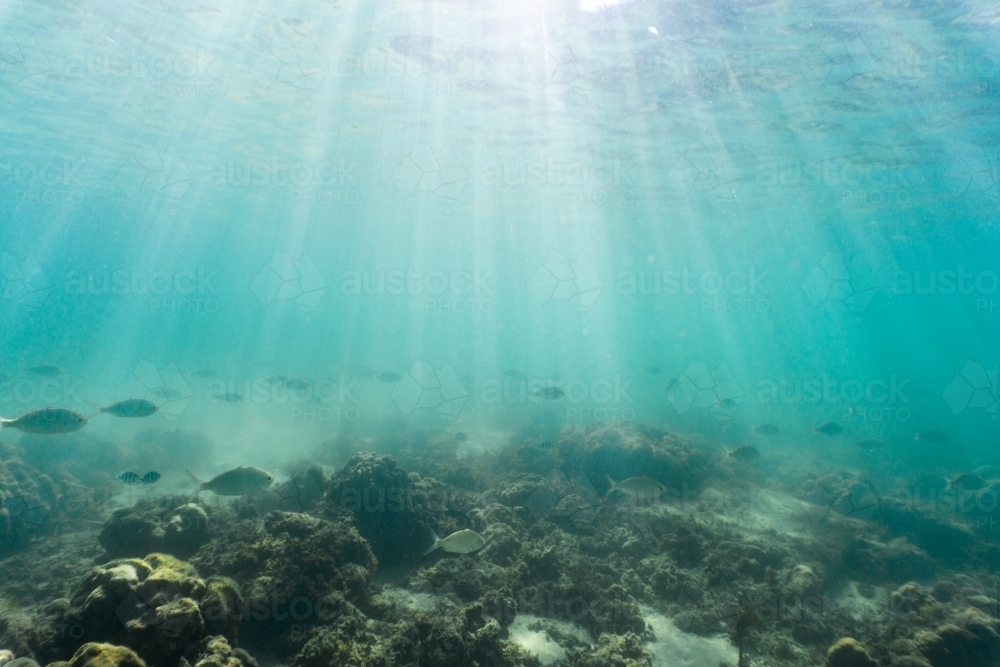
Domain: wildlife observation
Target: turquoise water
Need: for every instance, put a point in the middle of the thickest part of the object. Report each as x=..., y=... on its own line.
x=698, y=216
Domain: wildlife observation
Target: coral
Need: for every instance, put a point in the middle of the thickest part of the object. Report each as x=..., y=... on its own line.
x=293, y=568
x=848, y=653
x=104, y=655
x=217, y=652
x=390, y=513
x=974, y=642
x=884, y=562
x=613, y=651
x=5, y=657
x=222, y=607
x=168, y=525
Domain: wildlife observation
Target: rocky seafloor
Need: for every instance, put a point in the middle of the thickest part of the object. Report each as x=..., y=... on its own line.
x=730, y=566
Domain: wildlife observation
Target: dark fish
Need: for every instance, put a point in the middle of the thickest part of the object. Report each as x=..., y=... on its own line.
x=934, y=437
x=150, y=477
x=129, y=478
x=654, y=370
x=389, y=377
x=133, y=407
x=276, y=379
x=550, y=393
x=47, y=421
x=727, y=402
x=669, y=384
x=766, y=429
x=967, y=482
x=230, y=398
x=545, y=446
x=743, y=453
x=166, y=393
x=297, y=385
x=461, y=437
x=830, y=428
x=45, y=370
x=870, y=445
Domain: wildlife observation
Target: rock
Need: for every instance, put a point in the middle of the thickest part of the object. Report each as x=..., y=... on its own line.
x=216, y=652
x=168, y=525
x=22, y=662
x=974, y=642
x=222, y=608
x=293, y=569
x=885, y=562
x=105, y=655
x=149, y=605
x=613, y=651
x=802, y=580
x=848, y=653
x=5, y=657
x=391, y=515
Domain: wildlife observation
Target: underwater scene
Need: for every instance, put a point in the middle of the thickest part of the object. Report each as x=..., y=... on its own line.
x=433, y=333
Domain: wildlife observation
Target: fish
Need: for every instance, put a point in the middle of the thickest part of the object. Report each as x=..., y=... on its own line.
x=967, y=482
x=276, y=379
x=545, y=446
x=727, y=402
x=297, y=385
x=461, y=437
x=669, y=384
x=133, y=407
x=45, y=370
x=47, y=421
x=129, y=478
x=870, y=444
x=166, y=393
x=229, y=398
x=743, y=454
x=461, y=542
x=550, y=393
x=203, y=373
x=240, y=481
x=766, y=429
x=830, y=428
x=934, y=437
x=641, y=488
x=389, y=377
x=150, y=477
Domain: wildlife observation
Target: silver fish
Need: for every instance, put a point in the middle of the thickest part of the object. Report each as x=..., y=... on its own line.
x=47, y=421
x=830, y=428
x=642, y=488
x=237, y=482
x=461, y=542
x=935, y=437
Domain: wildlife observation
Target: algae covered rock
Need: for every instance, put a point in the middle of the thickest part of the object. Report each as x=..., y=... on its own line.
x=151, y=606
x=104, y=655
x=293, y=570
x=848, y=653
x=167, y=525
x=217, y=652
x=613, y=651
x=391, y=514
x=972, y=640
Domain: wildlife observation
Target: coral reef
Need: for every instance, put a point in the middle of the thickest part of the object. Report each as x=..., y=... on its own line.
x=384, y=501
x=169, y=524
x=104, y=655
